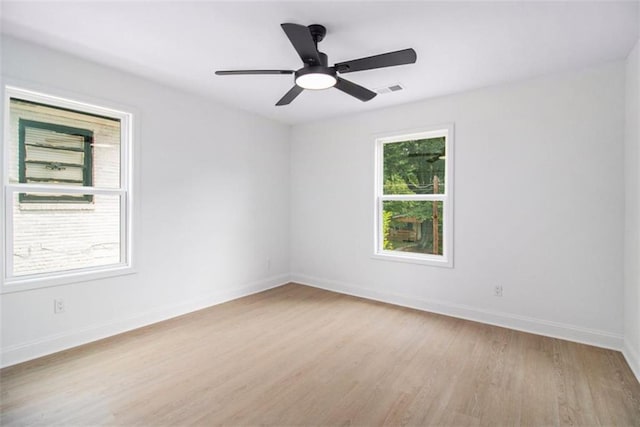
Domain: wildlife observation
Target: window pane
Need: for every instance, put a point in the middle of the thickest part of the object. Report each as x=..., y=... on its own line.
x=52, y=173
x=414, y=167
x=412, y=226
x=59, y=239
x=50, y=145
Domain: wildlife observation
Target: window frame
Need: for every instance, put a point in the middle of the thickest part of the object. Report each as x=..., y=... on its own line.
x=125, y=191
x=446, y=259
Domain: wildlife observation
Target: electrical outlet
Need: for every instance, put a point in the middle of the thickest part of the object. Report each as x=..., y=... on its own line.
x=497, y=290
x=58, y=306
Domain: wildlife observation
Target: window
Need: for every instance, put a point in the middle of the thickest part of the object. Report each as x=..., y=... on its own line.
x=67, y=210
x=414, y=208
x=52, y=153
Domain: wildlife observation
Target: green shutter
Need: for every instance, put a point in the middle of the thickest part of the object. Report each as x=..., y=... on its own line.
x=54, y=153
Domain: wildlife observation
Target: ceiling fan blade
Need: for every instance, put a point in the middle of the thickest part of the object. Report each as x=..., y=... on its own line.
x=302, y=41
x=389, y=59
x=350, y=88
x=290, y=96
x=243, y=72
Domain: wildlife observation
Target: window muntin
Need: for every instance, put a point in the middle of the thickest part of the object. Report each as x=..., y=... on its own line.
x=67, y=191
x=413, y=197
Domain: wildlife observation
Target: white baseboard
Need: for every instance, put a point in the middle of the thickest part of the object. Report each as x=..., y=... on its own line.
x=633, y=359
x=54, y=343
x=506, y=320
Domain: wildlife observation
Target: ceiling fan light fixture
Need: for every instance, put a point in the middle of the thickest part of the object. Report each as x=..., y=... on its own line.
x=316, y=78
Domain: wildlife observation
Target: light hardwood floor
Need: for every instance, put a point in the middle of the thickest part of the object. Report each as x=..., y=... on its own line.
x=302, y=356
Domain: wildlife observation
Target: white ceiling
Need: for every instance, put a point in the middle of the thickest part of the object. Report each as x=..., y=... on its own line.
x=460, y=45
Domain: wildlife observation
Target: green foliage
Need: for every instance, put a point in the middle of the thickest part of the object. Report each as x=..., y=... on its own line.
x=396, y=184
x=386, y=224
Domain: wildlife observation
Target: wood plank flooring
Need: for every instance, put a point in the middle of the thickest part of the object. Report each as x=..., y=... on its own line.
x=302, y=356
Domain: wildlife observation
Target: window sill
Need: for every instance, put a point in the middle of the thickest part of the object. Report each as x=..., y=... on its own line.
x=434, y=261
x=20, y=284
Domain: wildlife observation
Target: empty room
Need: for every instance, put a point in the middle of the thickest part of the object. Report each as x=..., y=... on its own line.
x=320, y=213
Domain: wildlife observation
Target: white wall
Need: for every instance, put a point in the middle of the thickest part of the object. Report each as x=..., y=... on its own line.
x=213, y=207
x=632, y=213
x=538, y=206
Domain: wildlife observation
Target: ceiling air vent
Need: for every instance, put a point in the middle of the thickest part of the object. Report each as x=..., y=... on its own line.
x=391, y=88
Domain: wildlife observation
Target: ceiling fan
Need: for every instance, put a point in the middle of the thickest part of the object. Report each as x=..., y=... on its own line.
x=316, y=74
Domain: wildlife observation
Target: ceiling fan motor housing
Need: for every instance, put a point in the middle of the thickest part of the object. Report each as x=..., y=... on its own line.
x=317, y=73
x=315, y=69
x=322, y=57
